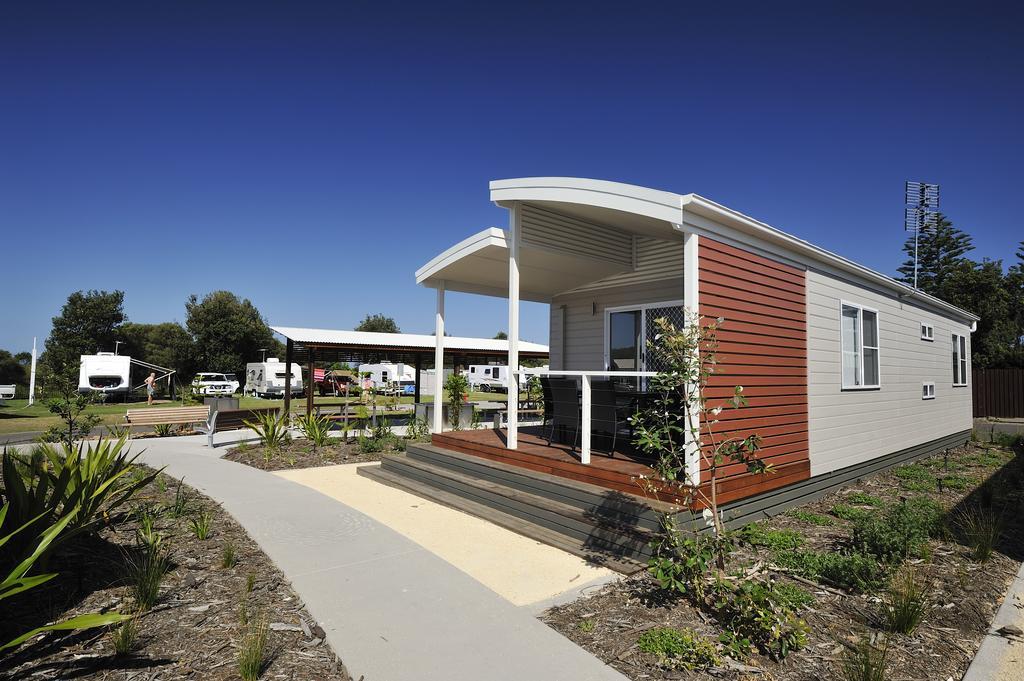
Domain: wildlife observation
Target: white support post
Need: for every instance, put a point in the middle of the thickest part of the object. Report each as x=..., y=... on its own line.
x=438, y=424
x=32, y=376
x=514, y=231
x=691, y=302
x=585, y=419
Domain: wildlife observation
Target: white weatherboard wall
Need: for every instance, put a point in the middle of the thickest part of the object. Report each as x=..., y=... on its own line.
x=852, y=426
x=584, y=320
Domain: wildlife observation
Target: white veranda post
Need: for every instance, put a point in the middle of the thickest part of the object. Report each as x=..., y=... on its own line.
x=513, y=326
x=439, y=361
x=691, y=301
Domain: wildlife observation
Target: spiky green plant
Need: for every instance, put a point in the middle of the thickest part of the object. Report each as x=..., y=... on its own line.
x=865, y=662
x=270, y=428
x=315, y=428
x=146, y=571
x=252, y=651
x=228, y=556
x=980, y=529
x=905, y=602
x=201, y=525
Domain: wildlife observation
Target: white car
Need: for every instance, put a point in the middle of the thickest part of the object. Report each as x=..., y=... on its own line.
x=233, y=380
x=213, y=384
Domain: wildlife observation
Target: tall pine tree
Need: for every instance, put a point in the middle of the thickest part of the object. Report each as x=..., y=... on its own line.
x=940, y=249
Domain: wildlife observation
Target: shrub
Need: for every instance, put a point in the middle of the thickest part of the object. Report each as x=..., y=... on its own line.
x=417, y=430
x=851, y=571
x=381, y=439
x=316, y=429
x=678, y=648
x=792, y=595
x=270, y=428
x=864, y=499
x=681, y=563
x=901, y=532
x=759, y=612
x=758, y=534
x=811, y=518
x=905, y=602
x=980, y=529
x=587, y=624
x=916, y=477
x=864, y=662
x=146, y=571
x=847, y=512
x=201, y=525
x=252, y=650
x=457, y=388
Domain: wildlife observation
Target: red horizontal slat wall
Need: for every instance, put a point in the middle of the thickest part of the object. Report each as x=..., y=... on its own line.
x=762, y=346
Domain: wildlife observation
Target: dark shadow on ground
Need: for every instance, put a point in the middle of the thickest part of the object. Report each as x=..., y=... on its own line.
x=1000, y=498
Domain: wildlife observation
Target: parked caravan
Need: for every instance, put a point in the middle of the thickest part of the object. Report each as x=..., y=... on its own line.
x=266, y=379
x=105, y=373
x=388, y=374
x=487, y=377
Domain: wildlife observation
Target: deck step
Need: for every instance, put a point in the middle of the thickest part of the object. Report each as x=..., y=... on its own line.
x=511, y=521
x=612, y=534
x=598, y=501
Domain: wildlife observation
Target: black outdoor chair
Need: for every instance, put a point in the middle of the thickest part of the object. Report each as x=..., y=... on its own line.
x=545, y=388
x=606, y=415
x=565, y=408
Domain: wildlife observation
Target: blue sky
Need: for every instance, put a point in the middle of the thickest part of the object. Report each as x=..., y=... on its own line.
x=311, y=156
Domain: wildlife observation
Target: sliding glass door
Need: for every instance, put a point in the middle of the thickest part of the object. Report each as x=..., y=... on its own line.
x=629, y=331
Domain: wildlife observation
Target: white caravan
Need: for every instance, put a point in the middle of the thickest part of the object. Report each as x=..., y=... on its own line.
x=487, y=378
x=389, y=373
x=105, y=373
x=266, y=379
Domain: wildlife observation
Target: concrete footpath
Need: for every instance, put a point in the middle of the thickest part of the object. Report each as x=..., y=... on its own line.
x=1001, y=656
x=392, y=610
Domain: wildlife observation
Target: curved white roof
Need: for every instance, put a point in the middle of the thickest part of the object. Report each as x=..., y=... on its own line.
x=640, y=210
x=403, y=341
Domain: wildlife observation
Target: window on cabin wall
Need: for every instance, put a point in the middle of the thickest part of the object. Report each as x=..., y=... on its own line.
x=860, y=347
x=959, y=360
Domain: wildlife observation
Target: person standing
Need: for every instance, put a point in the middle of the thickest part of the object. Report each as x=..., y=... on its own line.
x=150, y=387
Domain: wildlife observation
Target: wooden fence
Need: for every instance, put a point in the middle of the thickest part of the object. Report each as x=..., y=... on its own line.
x=998, y=393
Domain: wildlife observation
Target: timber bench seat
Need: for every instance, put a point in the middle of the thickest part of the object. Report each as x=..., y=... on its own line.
x=170, y=415
x=208, y=422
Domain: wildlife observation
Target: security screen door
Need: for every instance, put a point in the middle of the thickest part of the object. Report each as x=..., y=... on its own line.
x=630, y=331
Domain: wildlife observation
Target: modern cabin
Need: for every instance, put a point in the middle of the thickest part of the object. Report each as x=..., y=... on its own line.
x=846, y=370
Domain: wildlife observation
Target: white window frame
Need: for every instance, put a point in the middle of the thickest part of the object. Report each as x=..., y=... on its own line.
x=877, y=348
x=642, y=309
x=927, y=332
x=960, y=370
x=928, y=390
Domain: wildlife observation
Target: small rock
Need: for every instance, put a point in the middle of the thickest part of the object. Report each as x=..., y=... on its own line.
x=318, y=631
x=1010, y=630
x=281, y=626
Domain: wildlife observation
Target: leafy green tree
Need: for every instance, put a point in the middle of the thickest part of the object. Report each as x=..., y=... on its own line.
x=167, y=344
x=940, y=251
x=378, y=323
x=501, y=335
x=982, y=288
x=12, y=370
x=88, y=323
x=227, y=332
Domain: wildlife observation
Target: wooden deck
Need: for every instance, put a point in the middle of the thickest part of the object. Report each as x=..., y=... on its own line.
x=618, y=472
x=534, y=453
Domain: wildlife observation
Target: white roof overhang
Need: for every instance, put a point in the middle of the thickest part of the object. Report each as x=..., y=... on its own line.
x=634, y=209
x=479, y=265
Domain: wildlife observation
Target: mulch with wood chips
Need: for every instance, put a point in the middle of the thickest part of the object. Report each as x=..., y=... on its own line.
x=965, y=593
x=193, y=631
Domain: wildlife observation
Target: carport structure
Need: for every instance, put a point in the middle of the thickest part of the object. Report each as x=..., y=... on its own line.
x=307, y=346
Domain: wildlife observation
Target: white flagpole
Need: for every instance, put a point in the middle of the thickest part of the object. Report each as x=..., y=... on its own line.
x=32, y=377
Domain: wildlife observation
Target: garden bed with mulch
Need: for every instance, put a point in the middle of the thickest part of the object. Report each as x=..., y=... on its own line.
x=220, y=593
x=301, y=454
x=624, y=623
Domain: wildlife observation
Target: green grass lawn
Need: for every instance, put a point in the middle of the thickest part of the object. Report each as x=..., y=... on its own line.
x=17, y=417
